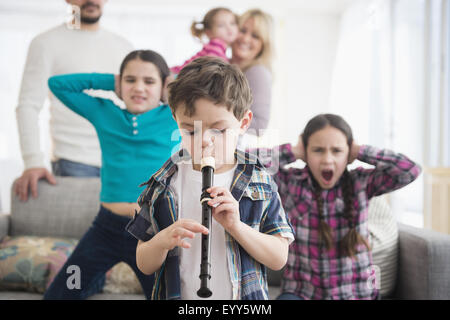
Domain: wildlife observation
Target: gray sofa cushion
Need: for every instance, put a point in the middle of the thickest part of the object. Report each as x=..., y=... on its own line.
x=63, y=210
x=4, y=225
x=424, y=266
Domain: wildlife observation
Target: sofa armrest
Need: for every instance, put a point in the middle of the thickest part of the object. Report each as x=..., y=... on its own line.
x=4, y=225
x=424, y=264
x=66, y=209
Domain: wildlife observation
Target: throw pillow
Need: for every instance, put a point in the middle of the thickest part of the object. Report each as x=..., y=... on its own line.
x=122, y=279
x=30, y=263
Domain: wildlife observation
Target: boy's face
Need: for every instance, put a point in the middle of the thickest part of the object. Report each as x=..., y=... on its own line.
x=211, y=131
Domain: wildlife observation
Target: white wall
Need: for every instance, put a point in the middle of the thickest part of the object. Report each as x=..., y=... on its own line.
x=304, y=81
x=306, y=34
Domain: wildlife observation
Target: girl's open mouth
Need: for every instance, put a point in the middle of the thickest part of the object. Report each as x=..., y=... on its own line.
x=327, y=175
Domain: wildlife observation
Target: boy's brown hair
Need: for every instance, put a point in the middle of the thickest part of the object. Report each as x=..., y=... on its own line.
x=212, y=79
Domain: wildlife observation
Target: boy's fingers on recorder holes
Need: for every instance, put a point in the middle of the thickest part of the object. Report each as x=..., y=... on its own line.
x=216, y=190
x=225, y=207
x=219, y=200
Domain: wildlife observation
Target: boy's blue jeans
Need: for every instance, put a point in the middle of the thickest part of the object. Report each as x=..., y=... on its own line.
x=105, y=244
x=67, y=168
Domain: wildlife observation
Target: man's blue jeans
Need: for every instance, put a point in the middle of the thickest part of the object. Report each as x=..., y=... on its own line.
x=105, y=244
x=67, y=168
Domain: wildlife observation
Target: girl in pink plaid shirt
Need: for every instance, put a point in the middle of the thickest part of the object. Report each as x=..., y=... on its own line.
x=221, y=27
x=328, y=208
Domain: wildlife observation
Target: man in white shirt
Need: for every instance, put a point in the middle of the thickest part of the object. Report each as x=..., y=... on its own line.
x=77, y=48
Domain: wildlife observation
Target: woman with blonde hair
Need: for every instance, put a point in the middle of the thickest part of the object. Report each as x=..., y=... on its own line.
x=253, y=53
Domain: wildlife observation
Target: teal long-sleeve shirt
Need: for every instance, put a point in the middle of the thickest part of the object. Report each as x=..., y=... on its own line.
x=133, y=146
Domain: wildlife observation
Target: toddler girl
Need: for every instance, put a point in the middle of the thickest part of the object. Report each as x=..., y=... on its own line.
x=221, y=27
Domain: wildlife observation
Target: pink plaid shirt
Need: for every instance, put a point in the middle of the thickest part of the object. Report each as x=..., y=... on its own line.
x=312, y=272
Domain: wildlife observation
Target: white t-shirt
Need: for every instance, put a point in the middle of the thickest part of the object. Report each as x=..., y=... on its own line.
x=188, y=187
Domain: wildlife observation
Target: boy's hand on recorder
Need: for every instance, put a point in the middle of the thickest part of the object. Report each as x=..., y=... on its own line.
x=225, y=208
x=299, y=150
x=175, y=234
x=353, y=153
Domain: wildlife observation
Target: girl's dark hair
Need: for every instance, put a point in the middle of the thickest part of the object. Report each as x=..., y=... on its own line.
x=347, y=245
x=147, y=56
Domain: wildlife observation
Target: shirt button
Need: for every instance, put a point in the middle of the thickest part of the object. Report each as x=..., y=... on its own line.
x=135, y=132
x=134, y=118
x=135, y=124
x=324, y=275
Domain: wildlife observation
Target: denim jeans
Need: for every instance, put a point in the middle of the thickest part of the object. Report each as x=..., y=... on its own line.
x=105, y=244
x=67, y=168
x=289, y=296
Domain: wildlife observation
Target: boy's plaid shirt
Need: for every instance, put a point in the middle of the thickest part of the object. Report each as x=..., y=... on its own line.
x=311, y=271
x=259, y=206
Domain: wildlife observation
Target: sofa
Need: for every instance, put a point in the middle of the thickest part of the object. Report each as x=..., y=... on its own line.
x=66, y=211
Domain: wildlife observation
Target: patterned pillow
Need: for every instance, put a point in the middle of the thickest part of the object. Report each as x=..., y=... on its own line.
x=30, y=263
x=122, y=279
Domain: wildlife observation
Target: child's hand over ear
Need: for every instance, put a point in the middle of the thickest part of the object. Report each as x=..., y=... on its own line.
x=299, y=150
x=227, y=210
x=353, y=154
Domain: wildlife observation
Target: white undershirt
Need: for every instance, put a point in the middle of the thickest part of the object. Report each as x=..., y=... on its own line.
x=188, y=186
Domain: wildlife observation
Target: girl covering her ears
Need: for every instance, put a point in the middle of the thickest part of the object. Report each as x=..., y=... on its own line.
x=220, y=25
x=328, y=208
x=135, y=142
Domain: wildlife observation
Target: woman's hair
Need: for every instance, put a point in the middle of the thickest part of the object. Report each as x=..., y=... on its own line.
x=347, y=245
x=148, y=56
x=263, y=27
x=198, y=28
